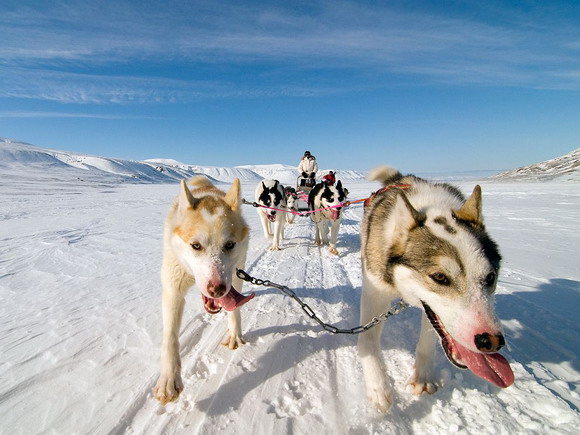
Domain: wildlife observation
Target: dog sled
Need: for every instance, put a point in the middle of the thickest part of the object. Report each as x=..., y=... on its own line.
x=298, y=196
x=303, y=187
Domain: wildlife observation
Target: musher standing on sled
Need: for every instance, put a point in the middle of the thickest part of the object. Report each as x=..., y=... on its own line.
x=307, y=168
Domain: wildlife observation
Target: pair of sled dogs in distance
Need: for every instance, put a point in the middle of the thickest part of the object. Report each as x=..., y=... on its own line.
x=426, y=244
x=324, y=201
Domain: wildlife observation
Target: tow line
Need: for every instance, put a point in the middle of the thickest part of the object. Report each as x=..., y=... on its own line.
x=396, y=308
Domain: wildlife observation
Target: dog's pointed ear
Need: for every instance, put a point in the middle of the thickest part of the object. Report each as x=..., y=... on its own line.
x=233, y=197
x=186, y=199
x=264, y=186
x=471, y=210
x=406, y=219
x=339, y=185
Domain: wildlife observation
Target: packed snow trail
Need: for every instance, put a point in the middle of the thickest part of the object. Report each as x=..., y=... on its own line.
x=80, y=323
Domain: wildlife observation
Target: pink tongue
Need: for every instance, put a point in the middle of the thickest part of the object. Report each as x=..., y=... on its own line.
x=233, y=299
x=492, y=367
x=229, y=302
x=335, y=214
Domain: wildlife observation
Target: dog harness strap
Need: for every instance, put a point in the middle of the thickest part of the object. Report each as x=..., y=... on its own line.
x=384, y=189
x=366, y=201
x=294, y=212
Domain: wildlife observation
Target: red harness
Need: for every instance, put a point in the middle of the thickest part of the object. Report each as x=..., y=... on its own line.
x=384, y=189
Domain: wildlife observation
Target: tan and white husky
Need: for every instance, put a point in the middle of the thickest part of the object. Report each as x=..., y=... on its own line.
x=205, y=240
x=426, y=244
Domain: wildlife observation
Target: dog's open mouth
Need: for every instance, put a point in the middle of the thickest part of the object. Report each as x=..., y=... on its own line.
x=232, y=300
x=492, y=367
x=335, y=214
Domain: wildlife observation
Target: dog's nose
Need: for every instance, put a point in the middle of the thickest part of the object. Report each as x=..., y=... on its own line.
x=489, y=343
x=216, y=289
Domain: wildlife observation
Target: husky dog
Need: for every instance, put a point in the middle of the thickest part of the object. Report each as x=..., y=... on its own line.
x=428, y=245
x=320, y=198
x=270, y=193
x=291, y=203
x=205, y=239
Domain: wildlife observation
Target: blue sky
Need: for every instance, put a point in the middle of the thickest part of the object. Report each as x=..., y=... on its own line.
x=424, y=86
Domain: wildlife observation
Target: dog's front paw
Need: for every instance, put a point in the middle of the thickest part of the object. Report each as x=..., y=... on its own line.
x=333, y=251
x=381, y=398
x=233, y=341
x=168, y=388
x=275, y=248
x=419, y=385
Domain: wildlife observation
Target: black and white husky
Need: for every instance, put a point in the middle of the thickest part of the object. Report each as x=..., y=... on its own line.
x=427, y=244
x=270, y=194
x=326, y=202
x=291, y=204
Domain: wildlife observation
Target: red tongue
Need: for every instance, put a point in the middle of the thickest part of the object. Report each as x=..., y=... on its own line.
x=335, y=214
x=229, y=302
x=492, y=367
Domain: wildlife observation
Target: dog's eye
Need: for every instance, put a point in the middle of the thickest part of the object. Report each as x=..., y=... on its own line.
x=489, y=279
x=229, y=245
x=440, y=278
x=196, y=246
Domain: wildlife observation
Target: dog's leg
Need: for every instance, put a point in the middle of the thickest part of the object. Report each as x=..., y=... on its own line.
x=374, y=301
x=317, y=231
x=278, y=233
x=324, y=227
x=265, y=225
x=422, y=379
x=233, y=338
x=334, y=236
x=170, y=384
x=290, y=216
x=284, y=222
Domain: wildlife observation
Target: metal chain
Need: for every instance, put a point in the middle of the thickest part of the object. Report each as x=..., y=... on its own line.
x=395, y=309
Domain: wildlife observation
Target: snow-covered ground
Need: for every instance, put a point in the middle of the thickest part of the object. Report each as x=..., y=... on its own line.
x=80, y=321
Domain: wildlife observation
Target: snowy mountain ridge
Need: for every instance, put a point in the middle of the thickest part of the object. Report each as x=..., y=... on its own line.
x=60, y=164
x=564, y=168
x=15, y=154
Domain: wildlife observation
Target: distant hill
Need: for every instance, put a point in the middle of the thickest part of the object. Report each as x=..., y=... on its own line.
x=565, y=168
x=21, y=158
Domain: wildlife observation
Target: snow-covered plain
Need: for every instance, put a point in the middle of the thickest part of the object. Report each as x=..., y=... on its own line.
x=80, y=321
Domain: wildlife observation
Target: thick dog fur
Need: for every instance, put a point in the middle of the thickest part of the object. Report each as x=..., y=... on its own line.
x=205, y=240
x=428, y=245
x=270, y=193
x=324, y=196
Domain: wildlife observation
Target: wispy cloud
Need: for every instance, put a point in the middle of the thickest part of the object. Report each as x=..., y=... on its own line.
x=46, y=51
x=34, y=114
x=79, y=88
